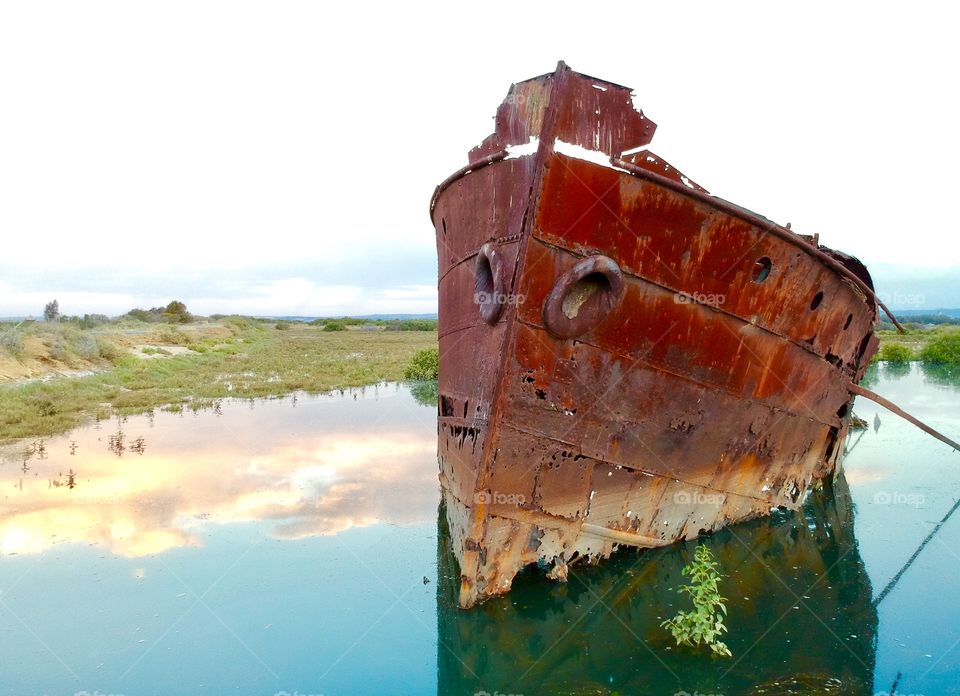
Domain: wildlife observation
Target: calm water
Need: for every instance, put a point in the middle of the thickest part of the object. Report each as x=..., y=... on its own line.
x=294, y=546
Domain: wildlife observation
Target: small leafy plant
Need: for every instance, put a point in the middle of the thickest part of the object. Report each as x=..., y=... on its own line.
x=424, y=365
x=943, y=349
x=704, y=623
x=895, y=353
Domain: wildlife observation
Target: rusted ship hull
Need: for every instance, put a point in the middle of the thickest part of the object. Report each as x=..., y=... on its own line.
x=624, y=359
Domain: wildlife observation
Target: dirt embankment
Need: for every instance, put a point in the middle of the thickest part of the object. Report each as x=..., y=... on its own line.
x=54, y=351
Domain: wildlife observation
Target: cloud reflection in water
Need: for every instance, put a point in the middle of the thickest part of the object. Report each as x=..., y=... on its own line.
x=318, y=466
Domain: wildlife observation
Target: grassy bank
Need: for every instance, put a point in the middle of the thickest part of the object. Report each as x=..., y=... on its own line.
x=137, y=367
x=935, y=345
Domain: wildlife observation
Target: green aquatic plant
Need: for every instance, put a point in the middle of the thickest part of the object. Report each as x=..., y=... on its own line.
x=704, y=623
x=943, y=349
x=424, y=366
x=895, y=353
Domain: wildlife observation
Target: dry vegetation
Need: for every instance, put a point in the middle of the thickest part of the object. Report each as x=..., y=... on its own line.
x=131, y=366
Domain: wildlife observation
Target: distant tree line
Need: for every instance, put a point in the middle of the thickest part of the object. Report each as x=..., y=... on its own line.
x=341, y=324
x=919, y=321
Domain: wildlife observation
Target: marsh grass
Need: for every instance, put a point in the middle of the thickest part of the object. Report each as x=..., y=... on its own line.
x=253, y=361
x=895, y=353
x=934, y=344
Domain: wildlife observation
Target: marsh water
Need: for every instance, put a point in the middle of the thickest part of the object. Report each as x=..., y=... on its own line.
x=295, y=546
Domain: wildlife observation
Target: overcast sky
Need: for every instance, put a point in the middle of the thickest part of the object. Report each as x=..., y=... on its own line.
x=278, y=157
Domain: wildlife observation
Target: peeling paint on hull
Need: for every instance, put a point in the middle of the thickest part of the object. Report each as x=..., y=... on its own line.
x=624, y=359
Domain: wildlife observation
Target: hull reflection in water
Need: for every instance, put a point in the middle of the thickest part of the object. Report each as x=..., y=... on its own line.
x=800, y=617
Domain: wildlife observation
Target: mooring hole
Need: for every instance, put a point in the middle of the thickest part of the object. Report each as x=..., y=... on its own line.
x=483, y=285
x=761, y=269
x=541, y=394
x=580, y=292
x=842, y=411
x=815, y=302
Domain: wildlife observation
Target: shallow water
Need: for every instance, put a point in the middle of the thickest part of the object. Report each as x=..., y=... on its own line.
x=295, y=546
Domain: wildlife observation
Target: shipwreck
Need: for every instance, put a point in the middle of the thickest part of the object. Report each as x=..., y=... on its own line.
x=624, y=358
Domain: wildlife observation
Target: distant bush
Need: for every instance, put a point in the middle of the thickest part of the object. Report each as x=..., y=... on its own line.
x=85, y=346
x=142, y=315
x=56, y=346
x=424, y=365
x=238, y=323
x=411, y=325
x=108, y=350
x=895, y=353
x=89, y=321
x=283, y=325
x=334, y=325
x=944, y=348
x=174, y=313
x=176, y=337
x=11, y=342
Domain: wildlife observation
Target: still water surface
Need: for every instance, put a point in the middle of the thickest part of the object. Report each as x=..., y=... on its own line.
x=295, y=546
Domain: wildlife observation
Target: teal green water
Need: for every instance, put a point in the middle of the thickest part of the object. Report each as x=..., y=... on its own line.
x=295, y=546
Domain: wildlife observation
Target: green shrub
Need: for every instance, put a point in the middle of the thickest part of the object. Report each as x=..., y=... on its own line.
x=108, y=350
x=85, y=346
x=283, y=325
x=237, y=323
x=943, y=349
x=176, y=337
x=895, y=353
x=142, y=315
x=704, y=623
x=56, y=346
x=424, y=365
x=334, y=326
x=11, y=342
